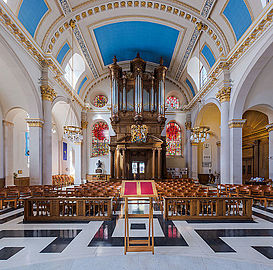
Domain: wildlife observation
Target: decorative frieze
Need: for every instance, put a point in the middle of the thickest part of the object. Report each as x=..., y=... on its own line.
x=224, y=94
x=236, y=123
x=47, y=93
x=35, y=122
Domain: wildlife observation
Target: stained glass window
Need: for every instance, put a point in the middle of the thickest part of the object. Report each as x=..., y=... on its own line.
x=172, y=103
x=100, y=101
x=100, y=139
x=173, y=139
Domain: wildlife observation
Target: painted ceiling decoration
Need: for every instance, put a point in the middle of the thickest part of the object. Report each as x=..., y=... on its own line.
x=190, y=86
x=81, y=84
x=238, y=15
x=63, y=52
x=207, y=53
x=30, y=14
x=129, y=38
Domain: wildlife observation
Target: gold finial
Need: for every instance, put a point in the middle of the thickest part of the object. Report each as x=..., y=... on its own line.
x=72, y=23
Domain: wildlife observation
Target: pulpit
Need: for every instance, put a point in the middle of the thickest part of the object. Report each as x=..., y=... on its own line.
x=138, y=192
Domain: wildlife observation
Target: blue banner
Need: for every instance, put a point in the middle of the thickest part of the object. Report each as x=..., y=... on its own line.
x=64, y=151
x=27, y=144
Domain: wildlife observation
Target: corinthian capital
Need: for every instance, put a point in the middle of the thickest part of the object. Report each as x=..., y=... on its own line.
x=47, y=93
x=224, y=94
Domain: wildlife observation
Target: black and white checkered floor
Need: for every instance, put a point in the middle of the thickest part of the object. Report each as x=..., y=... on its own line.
x=99, y=245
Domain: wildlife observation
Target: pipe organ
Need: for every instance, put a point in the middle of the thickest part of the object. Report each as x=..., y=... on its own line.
x=138, y=118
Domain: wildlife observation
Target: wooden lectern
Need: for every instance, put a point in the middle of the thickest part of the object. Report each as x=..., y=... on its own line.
x=133, y=191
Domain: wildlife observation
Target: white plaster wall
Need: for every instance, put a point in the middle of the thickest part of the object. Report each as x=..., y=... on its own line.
x=20, y=160
x=55, y=153
x=2, y=174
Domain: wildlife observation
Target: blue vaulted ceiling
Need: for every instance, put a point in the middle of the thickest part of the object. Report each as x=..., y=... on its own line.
x=126, y=39
x=238, y=15
x=31, y=13
x=206, y=51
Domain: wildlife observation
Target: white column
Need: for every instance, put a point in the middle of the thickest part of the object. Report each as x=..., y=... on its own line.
x=77, y=148
x=8, y=152
x=194, y=161
x=270, y=133
x=35, y=150
x=236, y=162
x=218, y=153
x=224, y=96
x=48, y=95
x=188, y=149
x=84, y=148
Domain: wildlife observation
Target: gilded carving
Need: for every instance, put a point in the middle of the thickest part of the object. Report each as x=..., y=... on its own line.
x=84, y=124
x=47, y=93
x=236, y=123
x=224, y=94
x=269, y=127
x=188, y=125
x=35, y=122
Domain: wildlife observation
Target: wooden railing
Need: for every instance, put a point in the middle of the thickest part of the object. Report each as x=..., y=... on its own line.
x=44, y=209
x=190, y=208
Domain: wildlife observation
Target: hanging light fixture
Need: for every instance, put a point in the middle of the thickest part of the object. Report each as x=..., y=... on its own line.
x=72, y=131
x=201, y=133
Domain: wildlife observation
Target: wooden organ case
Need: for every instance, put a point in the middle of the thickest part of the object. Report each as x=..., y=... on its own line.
x=138, y=150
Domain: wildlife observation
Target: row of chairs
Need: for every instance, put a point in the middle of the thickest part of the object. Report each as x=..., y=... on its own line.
x=62, y=180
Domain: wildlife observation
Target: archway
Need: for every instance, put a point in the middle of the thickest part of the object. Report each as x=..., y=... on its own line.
x=62, y=161
x=206, y=155
x=255, y=151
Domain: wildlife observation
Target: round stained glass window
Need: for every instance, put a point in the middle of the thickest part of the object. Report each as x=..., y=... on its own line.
x=172, y=103
x=100, y=101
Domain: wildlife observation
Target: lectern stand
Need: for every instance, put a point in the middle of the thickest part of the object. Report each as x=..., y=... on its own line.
x=132, y=192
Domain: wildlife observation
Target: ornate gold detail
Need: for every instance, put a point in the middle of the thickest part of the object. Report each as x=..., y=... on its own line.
x=188, y=125
x=84, y=124
x=236, y=123
x=139, y=133
x=35, y=122
x=47, y=93
x=224, y=94
x=269, y=127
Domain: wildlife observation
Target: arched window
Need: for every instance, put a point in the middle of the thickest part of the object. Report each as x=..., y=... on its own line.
x=172, y=103
x=78, y=69
x=100, y=101
x=100, y=139
x=173, y=139
x=265, y=2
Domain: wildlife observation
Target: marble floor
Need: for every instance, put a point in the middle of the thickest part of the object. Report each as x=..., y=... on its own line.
x=99, y=245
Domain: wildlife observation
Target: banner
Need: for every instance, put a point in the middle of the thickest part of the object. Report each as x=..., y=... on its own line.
x=64, y=151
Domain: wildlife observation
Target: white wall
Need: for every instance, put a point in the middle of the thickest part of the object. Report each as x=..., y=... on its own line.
x=20, y=159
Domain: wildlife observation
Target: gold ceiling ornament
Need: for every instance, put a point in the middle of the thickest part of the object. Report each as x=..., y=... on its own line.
x=35, y=122
x=224, y=94
x=47, y=93
x=200, y=134
x=72, y=131
x=236, y=123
